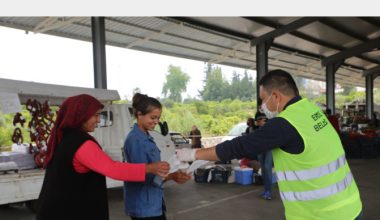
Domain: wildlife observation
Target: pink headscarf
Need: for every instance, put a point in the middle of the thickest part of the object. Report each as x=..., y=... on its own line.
x=73, y=113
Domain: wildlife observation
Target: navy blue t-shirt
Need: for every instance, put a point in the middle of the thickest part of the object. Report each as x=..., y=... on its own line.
x=277, y=132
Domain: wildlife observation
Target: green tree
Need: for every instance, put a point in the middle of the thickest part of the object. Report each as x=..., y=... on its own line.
x=208, y=69
x=247, y=87
x=215, y=86
x=176, y=83
x=235, y=89
x=348, y=89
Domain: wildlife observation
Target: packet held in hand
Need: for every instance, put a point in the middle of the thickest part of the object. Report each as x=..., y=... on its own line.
x=175, y=164
x=196, y=164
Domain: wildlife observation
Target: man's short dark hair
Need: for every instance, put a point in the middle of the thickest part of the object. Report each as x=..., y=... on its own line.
x=280, y=80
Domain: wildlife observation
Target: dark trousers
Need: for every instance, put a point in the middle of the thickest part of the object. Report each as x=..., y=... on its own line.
x=161, y=217
x=266, y=161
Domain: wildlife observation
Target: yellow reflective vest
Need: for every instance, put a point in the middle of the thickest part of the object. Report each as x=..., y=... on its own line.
x=317, y=183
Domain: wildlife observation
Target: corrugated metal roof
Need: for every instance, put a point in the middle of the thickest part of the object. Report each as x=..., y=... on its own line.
x=227, y=40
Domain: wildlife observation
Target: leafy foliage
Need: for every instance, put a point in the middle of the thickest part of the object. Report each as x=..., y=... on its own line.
x=213, y=118
x=217, y=88
x=176, y=83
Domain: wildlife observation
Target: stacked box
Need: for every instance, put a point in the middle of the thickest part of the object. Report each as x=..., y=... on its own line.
x=243, y=176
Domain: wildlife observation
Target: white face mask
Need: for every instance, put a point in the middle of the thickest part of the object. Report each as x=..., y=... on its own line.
x=266, y=111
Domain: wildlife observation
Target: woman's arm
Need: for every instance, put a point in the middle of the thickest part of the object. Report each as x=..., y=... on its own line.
x=90, y=157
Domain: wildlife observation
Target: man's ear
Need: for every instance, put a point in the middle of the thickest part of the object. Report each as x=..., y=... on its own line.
x=277, y=95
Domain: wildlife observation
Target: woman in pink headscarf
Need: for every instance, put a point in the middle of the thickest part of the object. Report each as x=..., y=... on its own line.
x=75, y=186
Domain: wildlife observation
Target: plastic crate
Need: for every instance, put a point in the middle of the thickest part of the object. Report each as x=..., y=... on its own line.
x=219, y=176
x=201, y=175
x=244, y=176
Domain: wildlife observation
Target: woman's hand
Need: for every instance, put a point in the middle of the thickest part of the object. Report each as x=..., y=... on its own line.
x=160, y=168
x=179, y=177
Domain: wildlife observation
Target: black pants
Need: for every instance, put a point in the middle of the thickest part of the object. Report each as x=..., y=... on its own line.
x=161, y=217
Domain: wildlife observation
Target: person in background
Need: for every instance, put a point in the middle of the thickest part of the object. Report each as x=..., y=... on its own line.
x=146, y=200
x=74, y=186
x=251, y=126
x=334, y=120
x=355, y=124
x=250, y=162
x=313, y=175
x=266, y=161
x=195, y=135
x=374, y=122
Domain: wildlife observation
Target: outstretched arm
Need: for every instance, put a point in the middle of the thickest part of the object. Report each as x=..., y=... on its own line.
x=206, y=154
x=90, y=157
x=186, y=154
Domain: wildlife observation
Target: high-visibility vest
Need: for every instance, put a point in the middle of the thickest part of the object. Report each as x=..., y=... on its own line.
x=317, y=183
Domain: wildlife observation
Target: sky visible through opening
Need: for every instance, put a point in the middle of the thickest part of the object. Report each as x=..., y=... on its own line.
x=57, y=60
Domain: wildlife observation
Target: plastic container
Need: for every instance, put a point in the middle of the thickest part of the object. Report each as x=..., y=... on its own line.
x=243, y=176
x=201, y=175
x=219, y=176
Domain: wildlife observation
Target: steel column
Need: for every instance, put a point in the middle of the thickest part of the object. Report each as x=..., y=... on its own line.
x=261, y=66
x=99, y=52
x=369, y=95
x=330, y=87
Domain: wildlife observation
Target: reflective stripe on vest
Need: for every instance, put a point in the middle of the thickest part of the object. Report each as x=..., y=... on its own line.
x=312, y=173
x=319, y=193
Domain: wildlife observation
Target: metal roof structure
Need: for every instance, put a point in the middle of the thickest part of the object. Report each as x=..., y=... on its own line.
x=300, y=45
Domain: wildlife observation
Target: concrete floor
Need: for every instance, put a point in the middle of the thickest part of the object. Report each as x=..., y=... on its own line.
x=230, y=201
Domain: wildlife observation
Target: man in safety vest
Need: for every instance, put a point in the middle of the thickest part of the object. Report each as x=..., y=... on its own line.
x=314, y=179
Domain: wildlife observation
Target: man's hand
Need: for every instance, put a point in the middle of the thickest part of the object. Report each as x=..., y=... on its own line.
x=160, y=168
x=186, y=154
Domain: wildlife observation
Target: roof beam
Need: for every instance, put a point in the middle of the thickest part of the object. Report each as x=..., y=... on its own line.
x=371, y=21
x=158, y=31
x=207, y=27
x=155, y=35
x=308, y=38
x=230, y=33
x=342, y=29
x=51, y=23
x=228, y=53
x=298, y=34
x=45, y=23
x=284, y=29
x=231, y=53
x=373, y=71
x=353, y=51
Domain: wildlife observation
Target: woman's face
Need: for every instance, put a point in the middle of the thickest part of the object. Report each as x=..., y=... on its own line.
x=148, y=121
x=92, y=122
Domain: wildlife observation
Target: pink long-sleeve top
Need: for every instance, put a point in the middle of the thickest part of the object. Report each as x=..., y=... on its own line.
x=90, y=157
